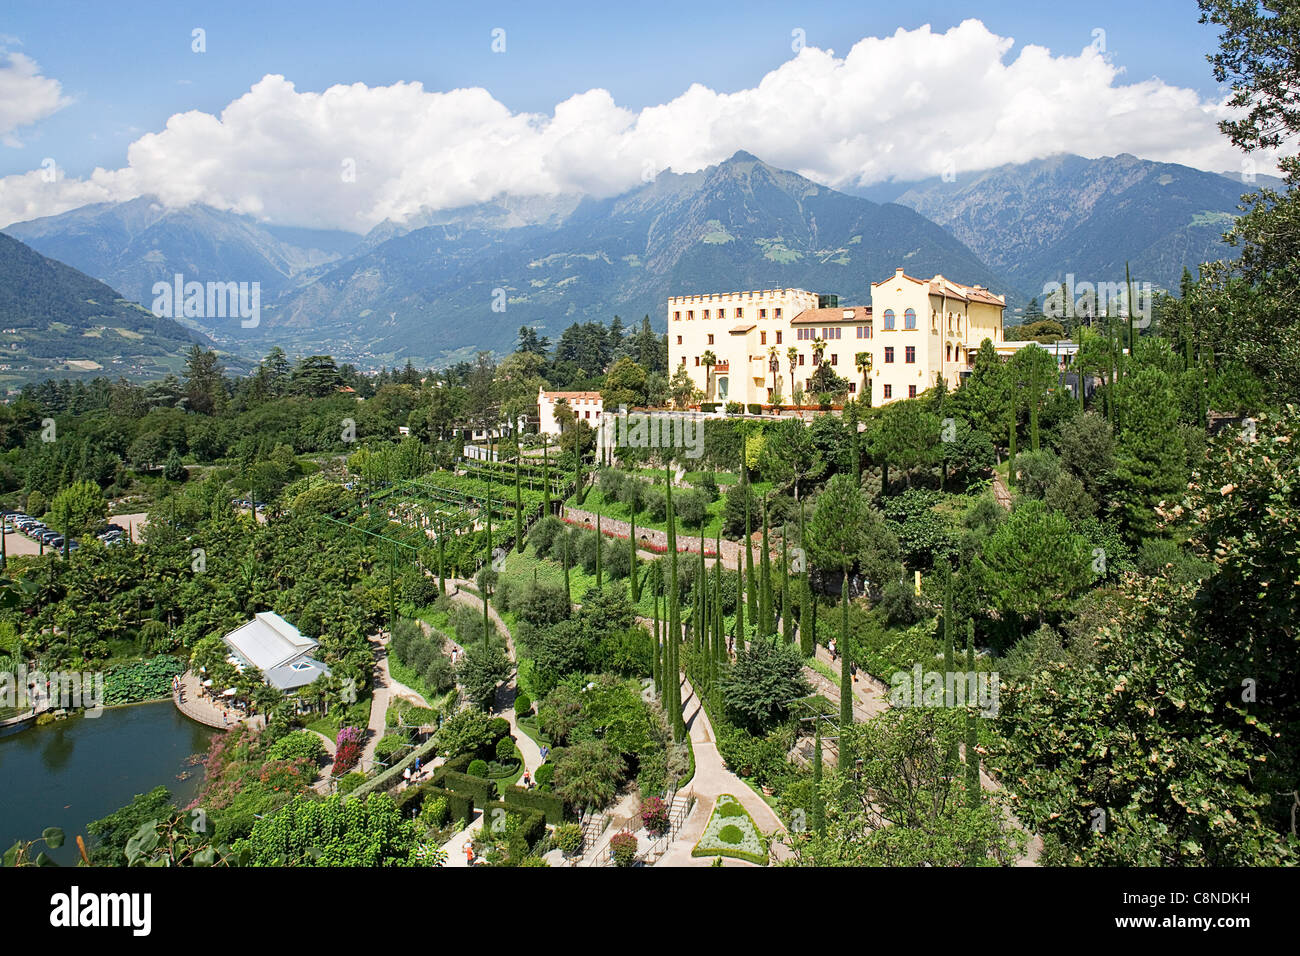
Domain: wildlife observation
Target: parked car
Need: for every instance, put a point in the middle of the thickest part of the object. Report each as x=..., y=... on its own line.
x=55, y=542
x=47, y=538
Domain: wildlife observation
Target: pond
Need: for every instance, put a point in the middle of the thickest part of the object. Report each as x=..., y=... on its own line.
x=71, y=772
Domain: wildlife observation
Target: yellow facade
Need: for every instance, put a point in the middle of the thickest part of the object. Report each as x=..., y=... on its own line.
x=914, y=330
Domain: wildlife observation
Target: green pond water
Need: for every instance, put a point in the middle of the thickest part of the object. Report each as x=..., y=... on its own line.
x=70, y=772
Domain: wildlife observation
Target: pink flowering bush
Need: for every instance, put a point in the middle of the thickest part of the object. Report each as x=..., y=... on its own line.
x=654, y=816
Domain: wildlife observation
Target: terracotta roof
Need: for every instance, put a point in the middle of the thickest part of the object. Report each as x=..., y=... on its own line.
x=940, y=285
x=570, y=396
x=741, y=329
x=861, y=313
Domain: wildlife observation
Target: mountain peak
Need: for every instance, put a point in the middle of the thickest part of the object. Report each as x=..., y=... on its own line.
x=741, y=156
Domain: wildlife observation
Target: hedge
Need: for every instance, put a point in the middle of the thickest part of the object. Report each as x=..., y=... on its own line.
x=547, y=803
x=460, y=806
x=534, y=821
x=484, y=791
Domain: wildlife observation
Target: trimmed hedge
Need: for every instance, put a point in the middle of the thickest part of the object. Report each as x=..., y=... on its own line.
x=459, y=805
x=551, y=806
x=483, y=791
x=534, y=821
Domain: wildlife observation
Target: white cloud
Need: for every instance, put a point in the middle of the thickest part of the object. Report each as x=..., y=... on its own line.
x=26, y=97
x=904, y=106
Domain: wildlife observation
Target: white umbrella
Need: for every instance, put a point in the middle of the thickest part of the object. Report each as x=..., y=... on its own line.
x=228, y=692
x=208, y=682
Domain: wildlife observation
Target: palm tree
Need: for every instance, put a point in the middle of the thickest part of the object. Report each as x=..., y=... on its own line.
x=774, y=365
x=819, y=349
x=708, y=360
x=864, y=369
x=792, y=353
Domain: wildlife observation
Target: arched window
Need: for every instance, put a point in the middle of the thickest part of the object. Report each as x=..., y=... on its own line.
x=889, y=320
x=949, y=352
x=909, y=319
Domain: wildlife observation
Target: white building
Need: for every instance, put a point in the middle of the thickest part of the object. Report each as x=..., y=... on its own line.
x=587, y=406
x=277, y=649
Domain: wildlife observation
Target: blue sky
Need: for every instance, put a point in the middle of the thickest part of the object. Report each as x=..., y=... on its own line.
x=128, y=67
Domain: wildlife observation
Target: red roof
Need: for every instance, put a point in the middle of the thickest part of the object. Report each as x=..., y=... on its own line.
x=861, y=314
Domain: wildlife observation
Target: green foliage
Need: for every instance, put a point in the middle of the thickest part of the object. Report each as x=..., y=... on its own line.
x=329, y=832
x=759, y=686
x=145, y=680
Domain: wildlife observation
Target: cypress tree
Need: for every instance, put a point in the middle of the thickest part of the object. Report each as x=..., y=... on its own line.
x=972, y=736
x=807, y=638
x=1011, y=455
x=819, y=812
x=546, y=480
x=487, y=625
x=635, y=581
x=599, y=539
x=519, y=513
x=568, y=597
x=750, y=594
x=740, y=608
x=949, y=662
x=787, y=615
x=674, y=624
x=654, y=666
x=578, y=496
x=846, y=679
x=1033, y=406
x=767, y=622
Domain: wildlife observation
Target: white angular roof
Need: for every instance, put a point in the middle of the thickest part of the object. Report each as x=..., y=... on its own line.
x=268, y=641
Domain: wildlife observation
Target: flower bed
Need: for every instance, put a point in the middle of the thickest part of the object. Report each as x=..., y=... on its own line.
x=731, y=831
x=643, y=545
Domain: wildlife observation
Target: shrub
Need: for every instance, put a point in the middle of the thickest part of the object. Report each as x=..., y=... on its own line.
x=654, y=816
x=301, y=744
x=544, y=774
x=478, y=768
x=347, y=749
x=568, y=837
x=506, y=750
x=548, y=804
x=731, y=834
x=482, y=791
x=389, y=745
x=755, y=408
x=497, y=728
x=623, y=846
x=523, y=705
x=734, y=408
x=532, y=824
x=351, y=781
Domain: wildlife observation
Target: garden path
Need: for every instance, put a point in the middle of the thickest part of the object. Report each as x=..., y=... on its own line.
x=712, y=778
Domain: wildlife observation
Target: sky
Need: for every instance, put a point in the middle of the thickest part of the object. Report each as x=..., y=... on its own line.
x=341, y=115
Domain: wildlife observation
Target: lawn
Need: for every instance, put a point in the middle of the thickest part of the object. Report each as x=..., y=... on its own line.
x=731, y=831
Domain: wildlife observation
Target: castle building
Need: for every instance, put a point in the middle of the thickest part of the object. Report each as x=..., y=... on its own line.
x=765, y=345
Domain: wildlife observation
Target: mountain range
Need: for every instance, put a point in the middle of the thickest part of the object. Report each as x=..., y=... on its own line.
x=57, y=322
x=446, y=283
x=1035, y=222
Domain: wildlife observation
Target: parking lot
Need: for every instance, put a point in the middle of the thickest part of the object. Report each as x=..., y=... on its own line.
x=19, y=544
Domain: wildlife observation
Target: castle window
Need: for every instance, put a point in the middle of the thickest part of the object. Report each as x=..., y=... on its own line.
x=710, y=338
x=778, y=337
x=910, y=356
x=911, y=391
x=889, y=391
x=889, y=320
x=889, y=354
x=909, y=319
